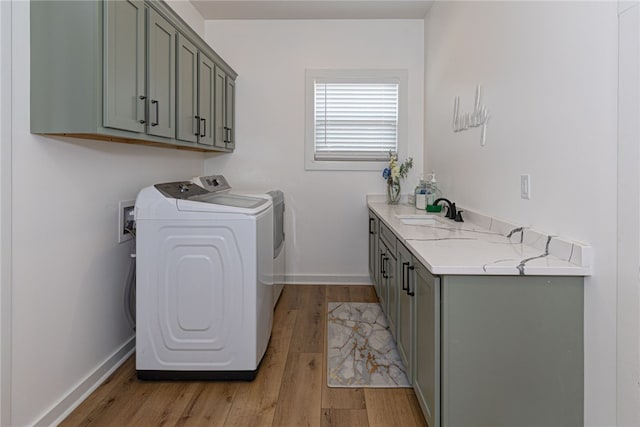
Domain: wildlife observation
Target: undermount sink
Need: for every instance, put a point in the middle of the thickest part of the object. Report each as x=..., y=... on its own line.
x=417, y=219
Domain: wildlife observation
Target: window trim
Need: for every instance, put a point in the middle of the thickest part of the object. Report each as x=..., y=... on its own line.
x=353, y=76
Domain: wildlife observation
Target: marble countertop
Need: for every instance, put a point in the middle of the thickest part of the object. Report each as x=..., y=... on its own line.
x=483, y=245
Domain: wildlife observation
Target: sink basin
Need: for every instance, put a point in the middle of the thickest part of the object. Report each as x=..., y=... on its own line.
x=417, y=219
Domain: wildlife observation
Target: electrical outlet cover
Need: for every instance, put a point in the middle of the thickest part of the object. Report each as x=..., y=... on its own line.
x=525, y=186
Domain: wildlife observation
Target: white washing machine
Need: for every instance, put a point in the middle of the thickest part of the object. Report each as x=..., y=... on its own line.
x=204, y=282
x=279, y=247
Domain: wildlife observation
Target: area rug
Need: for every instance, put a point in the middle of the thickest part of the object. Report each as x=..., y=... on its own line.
x=360, y=349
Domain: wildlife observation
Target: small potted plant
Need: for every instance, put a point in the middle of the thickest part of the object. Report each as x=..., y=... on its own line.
x=393, y=173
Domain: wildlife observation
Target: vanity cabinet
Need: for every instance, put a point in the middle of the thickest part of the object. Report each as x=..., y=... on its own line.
x=498, y=351
x=107, y=70
x=406, y=309
x=373, y=249
x=381, y=290
x=391, y=286
x=426, y=381
x=511, y=350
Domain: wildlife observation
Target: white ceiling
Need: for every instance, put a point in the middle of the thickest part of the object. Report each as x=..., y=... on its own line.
x=312, y=9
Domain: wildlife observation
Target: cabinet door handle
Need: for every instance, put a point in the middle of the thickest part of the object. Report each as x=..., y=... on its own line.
x=405, y=266
x=157, y=103
x=384, y=273
x=227, y=131
x=382, y=264
x=411, y=267
x=144, y=120
x=371, y=222
x=204, y=126
x=197, y=132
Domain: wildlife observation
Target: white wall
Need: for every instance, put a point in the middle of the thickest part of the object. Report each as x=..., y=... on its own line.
x=68, y=268
x=549, y=71
x=189, y=14
x=325, y=224
x=628, y=325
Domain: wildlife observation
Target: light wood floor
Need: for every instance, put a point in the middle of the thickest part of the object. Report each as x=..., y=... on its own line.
x=289, y=390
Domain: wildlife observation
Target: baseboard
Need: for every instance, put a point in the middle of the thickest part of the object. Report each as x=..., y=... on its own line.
x=79, y=393
x=326, y=279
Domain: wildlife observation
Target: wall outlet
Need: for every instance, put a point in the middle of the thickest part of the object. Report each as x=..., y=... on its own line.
x=525, y=186
x=125, y=219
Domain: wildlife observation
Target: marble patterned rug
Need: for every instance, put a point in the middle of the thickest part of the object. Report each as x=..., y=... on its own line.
x=360, y=349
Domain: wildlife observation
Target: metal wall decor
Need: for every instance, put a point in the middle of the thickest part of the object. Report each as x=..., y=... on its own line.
x=479, y=117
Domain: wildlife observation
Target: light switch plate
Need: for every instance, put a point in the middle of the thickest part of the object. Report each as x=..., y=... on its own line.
x=525, y=186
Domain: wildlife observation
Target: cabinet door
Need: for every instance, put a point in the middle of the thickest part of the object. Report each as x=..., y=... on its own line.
x=392, y=294
x=220, y=136
x=383, y=258
x=161, y=83
x=206, y=97
x=230, y=112
x=187, y=91
x=373, y=247
x=405, y=315
x=124, y=65
x=427, y=376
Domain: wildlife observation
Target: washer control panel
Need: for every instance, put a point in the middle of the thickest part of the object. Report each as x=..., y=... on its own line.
x=180, y=190
x=213, y=183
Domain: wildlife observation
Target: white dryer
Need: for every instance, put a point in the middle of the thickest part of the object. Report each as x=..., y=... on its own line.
x=279, y=247
x=204, y=282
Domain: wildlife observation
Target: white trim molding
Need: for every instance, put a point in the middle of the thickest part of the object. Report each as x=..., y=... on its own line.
x=88, y=385
x=326, y=279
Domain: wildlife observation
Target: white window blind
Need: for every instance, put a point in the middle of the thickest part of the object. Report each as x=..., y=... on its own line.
x=355, y=121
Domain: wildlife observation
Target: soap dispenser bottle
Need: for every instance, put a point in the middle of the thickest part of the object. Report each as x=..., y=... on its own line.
x=421, y=194
x=432, y=190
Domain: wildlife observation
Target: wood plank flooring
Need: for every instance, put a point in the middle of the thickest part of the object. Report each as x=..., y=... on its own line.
x=289, y=390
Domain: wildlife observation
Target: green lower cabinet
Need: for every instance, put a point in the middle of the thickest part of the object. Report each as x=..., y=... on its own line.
x=381, y=289
x=373, y=248
x=499, y=351
x=426, y=381
x=512, y=351
x=405, y=313
x=392, y=294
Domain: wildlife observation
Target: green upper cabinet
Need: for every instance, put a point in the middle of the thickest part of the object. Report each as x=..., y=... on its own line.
x=195, y=108
x=220, y=125
x=230, y=116
x=187, y=105
x=206, y=100
x=126, y=71
x=161, y=90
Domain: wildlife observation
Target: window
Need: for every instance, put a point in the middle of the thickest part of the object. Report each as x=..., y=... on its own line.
x=353, y=118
